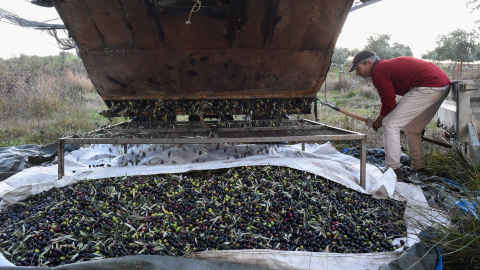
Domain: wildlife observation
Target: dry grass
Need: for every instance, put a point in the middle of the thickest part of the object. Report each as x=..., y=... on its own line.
x=40, y=105
x=368, y=91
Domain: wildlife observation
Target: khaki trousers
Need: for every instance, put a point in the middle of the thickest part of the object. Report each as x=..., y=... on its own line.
x=412, y=114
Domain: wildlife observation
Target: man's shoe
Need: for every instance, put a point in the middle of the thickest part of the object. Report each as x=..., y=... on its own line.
x=417, y=177
x=400, y=174
x=422, y=170
x=421, y=174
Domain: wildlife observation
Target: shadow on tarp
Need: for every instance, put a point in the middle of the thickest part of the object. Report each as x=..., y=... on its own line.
x=144, y=262
x=375, y=156
x=420, y=256
x=14, y=159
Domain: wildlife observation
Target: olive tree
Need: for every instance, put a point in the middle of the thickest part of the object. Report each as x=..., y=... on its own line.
x=459, y=45
x=340, y=56
x=380, y=44
x=474, y=5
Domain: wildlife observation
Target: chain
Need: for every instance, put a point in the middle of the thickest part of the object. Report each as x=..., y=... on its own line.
x=197, y=2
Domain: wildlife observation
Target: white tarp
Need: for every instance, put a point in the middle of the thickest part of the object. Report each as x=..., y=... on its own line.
x=323, y=160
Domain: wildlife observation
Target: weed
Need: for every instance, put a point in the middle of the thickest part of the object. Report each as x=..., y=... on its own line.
x=351, y=94
x=459, y=238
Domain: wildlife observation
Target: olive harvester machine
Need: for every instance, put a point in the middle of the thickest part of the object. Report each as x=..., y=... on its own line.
x=210, y=71
x=459, y=117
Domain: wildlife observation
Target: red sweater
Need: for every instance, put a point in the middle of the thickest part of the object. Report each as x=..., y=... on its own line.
x=398, y=75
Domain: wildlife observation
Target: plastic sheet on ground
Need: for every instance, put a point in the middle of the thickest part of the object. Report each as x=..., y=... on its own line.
x=147, y=262
x=102, y=161
x=419, y=256
x=323, y=160
x=14, y=159
x=468, y=206
x=300, y=259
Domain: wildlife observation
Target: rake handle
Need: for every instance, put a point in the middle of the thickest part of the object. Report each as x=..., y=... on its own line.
x=365, y=120
x=344, y=112
x=353, y=115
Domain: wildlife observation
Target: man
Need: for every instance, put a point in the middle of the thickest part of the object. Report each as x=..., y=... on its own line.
x=423, y=86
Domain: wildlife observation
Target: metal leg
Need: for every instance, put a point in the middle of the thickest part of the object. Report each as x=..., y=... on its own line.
x=474, y=145
x=303, y=146
x=61, y=158
x=363, y=164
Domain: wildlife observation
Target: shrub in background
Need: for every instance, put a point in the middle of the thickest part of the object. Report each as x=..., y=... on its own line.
x=45, y=98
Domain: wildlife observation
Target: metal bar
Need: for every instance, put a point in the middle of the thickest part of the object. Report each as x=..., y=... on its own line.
x=474, y=144
x=156, y=130
x=310, y=138
x=61, y=158
x=364, y=4
x=334, y=128
x=463, y=111
x=363, y=164
x=311, y=127
x=446, y=145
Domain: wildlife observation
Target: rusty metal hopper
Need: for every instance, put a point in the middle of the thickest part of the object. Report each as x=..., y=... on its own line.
x=143, y=50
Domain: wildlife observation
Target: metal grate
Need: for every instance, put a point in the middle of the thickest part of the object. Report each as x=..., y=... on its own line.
x=238, y=129
x=279, y=132
x=215, y=132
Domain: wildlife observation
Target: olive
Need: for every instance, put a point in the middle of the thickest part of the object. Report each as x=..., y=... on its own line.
x=173, y=215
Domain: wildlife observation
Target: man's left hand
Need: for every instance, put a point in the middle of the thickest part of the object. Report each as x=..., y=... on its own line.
x=369, y=122
x=376, y=125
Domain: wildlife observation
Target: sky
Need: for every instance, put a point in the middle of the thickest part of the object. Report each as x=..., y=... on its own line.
x=416, y=23
x=16, y=40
